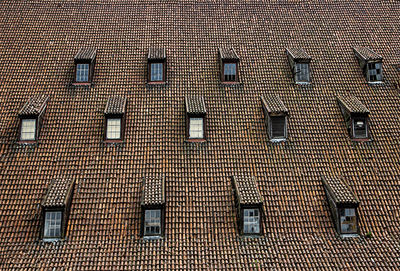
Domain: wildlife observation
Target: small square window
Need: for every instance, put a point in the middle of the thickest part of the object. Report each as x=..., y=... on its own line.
x=348, y=221
x=375, y=72
x=52, y=224
x=302, y=73
x=278, y=127
x=230, y=72
x=251, y=221
x=360, y=128
x=152, y=222
x=156, y=72
x=114, y=128
x=82, y=72
x=196, y=128
x=28, y=130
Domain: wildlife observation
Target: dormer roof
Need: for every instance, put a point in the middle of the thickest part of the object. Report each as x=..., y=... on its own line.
x=86, y=54
x=351, y=104
x=339, y=191
x=153, y=191
x=58, y=193
x=298, y=55
x=228, y=54
x=195, y=105
x=34, y=106
x=366, y=54
x=273, y=104
x=157, y=54
x=246, y=190
x=116, y=105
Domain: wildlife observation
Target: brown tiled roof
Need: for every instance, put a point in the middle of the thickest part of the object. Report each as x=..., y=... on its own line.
x=366, y=53
x=58, y=193
x=352, y=104
x=339, y=191
x=115, y=105
x=86, y=54
x=298, y=54
x=153, y=191
x=228, y=53
x=157, y=53
x=195, y=104
x=35, y=105
x=273, y=104
x=246, y=190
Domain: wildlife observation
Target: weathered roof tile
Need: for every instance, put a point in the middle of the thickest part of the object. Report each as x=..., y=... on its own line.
x=298, y=54
x=153, y=191
x=366, y=54
x=86, y=54
x=228, y=54
x=273, y=104
x=34, y=106
x=115, y=105
x=352, y=104
x=58, y=193
x=195, y=104
x=246, y=189
x=339, y=191
x=157, y=54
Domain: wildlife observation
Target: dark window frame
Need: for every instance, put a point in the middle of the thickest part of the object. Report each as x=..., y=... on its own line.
x=162, y=221
x=242, y=207
x=270, y=127
x=188, y=117
x=223, y=62
x=122, y=130
x=354, y=119
x=296, y=73
x=164, y=73
x=64, y=222
x=368, y=69
x=339, y=222
x=91, y=64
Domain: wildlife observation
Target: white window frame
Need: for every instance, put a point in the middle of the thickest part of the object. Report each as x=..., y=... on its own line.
x=199, y=133
x=52, y=223
x=152, y=218
x=109, y=132
x=24, y=127
x=251, y=222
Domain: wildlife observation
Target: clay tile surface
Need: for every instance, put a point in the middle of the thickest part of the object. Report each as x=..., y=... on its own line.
x=195, y=104
x=228, y=53
x=86, y=54
x=246, y=190
x=153, y=191
x=35, y=105
x=366, y=54
x=157, y=54
x=339, y=191
x=115, y=105
x=58, y=193
x=352, y=104
x=298, y=54
x=273, y=104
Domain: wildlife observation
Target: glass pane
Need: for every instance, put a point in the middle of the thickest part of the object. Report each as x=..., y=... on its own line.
x=278, y=127
x=348, y=221
x=374, y=72
x=196, y=128
x=360, y=128
x=152, y=222
x=230, y=72
x=302, y=72
x=82, y=72
x=28, y=129
x=156, y=72
x=114, y=128
x=52, y=224
x=251, y=221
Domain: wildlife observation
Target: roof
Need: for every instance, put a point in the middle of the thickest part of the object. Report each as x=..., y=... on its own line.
x=153, y=191
x=115, y=105
x=273, y=104
x=298, y=54
x=352, y=104
x=86, y=54
x=228, y=54
x=195, y=104
x=59, y=192
x=246, y=190
x=34, y=106
x=366, y=54
x=339, y=191
x=157, y=54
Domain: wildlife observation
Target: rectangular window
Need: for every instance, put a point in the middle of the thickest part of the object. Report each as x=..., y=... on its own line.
x=114, y=128
x=278, y=127
x=251, y=221
x=52, y=224
x=196, y=128
x=348, y=221
x=28, y=129
x=375, y=72
x=360, y=128
x=152, y=222
x=82, y=72
x=230, y=72
x=156, y=72
x=302, y=73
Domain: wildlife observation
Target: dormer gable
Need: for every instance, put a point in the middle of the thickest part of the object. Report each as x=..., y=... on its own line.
x=85, y=61
x=196, y=112
x=229, y=65
x=370, y=63
x=275, y=117
x=299, y=62
x=157, y=65
x=115, y=119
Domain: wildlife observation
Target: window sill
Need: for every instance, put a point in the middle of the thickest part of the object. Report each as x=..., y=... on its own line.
x=196, y=140
x=81, y=84
x=27, y=142
x=152, y=237
x=375, y=82
x=51, y=240
x=349, y=235
x=157, y=83
x=277, y=140
x=361, y=139
x=228, y=83
x=113, y=141
x=303, y=83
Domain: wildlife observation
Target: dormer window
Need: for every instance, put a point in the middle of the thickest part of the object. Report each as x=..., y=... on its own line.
x=299, y=62
x=115, y=119
x=31, y=118
x=85, y=61
x=195, y=118
x=153, y=207
x=55, y=209
x=343, y=205
x=249, y=205
x=370, y=63
x=355, y=116
x=275, y=115
x=157, y=66
x=229, y=62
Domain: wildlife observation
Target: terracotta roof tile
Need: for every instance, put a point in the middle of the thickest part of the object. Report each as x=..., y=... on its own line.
x=298, y=54
x=339, y=191
x=86, y=54
x=273, y=104
x=246, y=189
x=115, y=105
x=352, y=104
x=58, y=193
x=157, y=54
x=195, y=104
x=153, y=192
x=366, y=54
x=228, y=54
x=35, y=105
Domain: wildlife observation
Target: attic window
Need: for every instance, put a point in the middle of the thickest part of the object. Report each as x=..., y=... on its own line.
x=115, y=119
x=249, y=205
x=85, y=61
x=55, y=209
x=153, y=206
x=343, y=205
x=31, y=118
x=299, y=62
x=229, y=62
x=157, y=65
x=370, y=63
x=356, y=116
x=275, y=114
x=195, y=118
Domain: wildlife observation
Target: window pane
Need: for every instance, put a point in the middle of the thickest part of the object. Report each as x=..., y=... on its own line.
x=28, y=129
x=156, y=72
x=230, y=72
x=374, y=72
x=302, y=72
x=82, y=72
x=114, y=128
x=52, y=224
x=152, y=222
x=278, y=127
x=251, y=221
x=196, y=128
x=348, y=221
x=360, y=128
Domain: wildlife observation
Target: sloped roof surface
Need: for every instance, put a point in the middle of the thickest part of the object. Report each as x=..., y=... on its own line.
x=58, y=193
x=195, y=104
x=157, y=53
x=246, y=189
x=273, y=103
x=352, y=104
x=366, y=53
x=38, y=40
x=298, y=54
x=340, y=191
x=153, y=192
x=34, y=106
x=228, y=53
x=115, y=105
x=86, y=54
